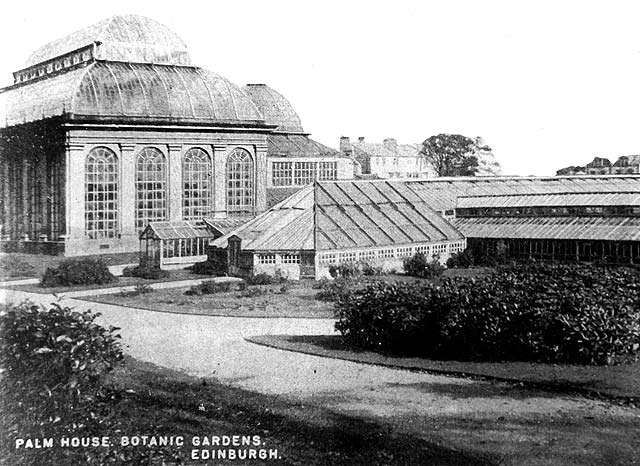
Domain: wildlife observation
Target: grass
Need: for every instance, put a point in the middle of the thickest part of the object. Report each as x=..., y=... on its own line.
x=148, y=400
x=16, y=265
x=620, y=382
x=152, y=401
x=119, y=282
x=297, y=301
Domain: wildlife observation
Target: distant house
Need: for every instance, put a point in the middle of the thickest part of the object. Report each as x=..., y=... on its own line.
x=625, y=165
x=333, y=223
x=387, y=159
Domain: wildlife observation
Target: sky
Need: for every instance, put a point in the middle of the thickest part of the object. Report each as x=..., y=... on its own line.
x=546, y=84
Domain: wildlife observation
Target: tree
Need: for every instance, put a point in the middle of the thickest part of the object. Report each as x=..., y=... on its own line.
x=453, y=154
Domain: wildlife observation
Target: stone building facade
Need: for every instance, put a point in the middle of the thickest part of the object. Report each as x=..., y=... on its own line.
x=111, y=128
x=387, y=159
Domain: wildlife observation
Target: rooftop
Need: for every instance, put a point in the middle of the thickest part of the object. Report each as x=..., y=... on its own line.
x=129, y=38
x=570, y=228
x=443, y=193
x=297, y=145
x=345, y=215
x=551, y=200
x=277, y=110
x=119, y=89
x=387, y=148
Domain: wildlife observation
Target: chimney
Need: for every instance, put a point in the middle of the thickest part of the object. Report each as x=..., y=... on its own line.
x=345, y=144
x=361, y=139
x=391, y=144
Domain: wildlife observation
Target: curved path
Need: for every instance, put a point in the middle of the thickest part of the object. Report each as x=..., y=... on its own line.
x=413, y=402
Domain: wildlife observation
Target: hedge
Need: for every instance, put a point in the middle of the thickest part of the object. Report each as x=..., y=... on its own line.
x=539, y=312
x=83, y=271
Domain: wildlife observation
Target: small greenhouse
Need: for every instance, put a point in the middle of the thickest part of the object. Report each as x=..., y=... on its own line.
x=175, y=243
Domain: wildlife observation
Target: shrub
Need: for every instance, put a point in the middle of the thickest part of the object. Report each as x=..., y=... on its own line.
x=54, y=363
x=13, y=266
x=85, y=271
x=461, y=260
x=419, y=266
x=370, y=270
x=538, y=312
x=320, y=284
x=333, y=290
x=348, y=270
x=285, y=288
x=209, y=287
x=251, y=292
x=266, y=279
x=141, y=288
x=259, y=279
x=207, y=268
x=145, y=271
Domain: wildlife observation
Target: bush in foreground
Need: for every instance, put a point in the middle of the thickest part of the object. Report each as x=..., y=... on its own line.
x=541, y=312
x=54, y=362
x=84, y=271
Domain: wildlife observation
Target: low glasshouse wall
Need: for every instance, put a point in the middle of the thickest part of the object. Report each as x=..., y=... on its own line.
x=388, y=258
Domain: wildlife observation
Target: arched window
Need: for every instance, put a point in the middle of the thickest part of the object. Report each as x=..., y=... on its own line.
x=101, y=194
x=196, y=181
x=151, y=187
x=240, y=183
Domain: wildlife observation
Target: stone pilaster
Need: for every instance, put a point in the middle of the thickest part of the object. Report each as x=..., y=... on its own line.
x=127, y=194
x=261, y=178
x=219, y=181
x=74, y=183
x=174, y=178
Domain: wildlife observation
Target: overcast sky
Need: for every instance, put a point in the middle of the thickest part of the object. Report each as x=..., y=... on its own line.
x=546, y=83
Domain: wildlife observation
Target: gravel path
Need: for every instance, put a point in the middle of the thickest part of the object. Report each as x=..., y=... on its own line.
x=215, y=346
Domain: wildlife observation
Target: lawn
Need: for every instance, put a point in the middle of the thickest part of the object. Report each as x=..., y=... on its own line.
x=152, y=401
x=619, y=382
x=16, y=265
x=158, y=402
x=174, y=275
x=295, y=299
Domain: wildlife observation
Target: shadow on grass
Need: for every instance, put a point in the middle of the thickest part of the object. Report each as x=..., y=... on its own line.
x=621, y=382
x=557, y=439
x=152, y=401
x=302, y=434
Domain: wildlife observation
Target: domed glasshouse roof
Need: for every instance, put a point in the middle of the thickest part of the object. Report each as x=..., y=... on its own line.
x=275, y=107
x=121, y=38
x=123, y=67
x=116, y=89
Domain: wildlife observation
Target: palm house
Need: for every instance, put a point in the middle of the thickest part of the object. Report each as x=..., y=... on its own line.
x=112, y=128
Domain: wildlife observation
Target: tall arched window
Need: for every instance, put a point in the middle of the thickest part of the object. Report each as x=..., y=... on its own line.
x=101, y=194
x=151, y=187
x=197, y=201
x=240, y=183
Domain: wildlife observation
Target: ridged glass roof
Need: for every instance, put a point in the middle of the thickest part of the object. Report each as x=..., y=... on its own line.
x=114, y=89
x=121, y=38
x=275, y=107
